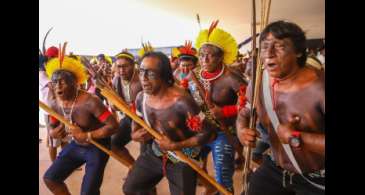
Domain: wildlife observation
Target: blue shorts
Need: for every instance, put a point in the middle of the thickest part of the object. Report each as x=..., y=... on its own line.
x=223, y=159
x=72, y=157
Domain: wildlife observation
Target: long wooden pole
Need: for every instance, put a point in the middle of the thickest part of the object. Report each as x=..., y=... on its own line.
x=67, y=123
x=122, y=106
x=256, y=83
x=248, y=153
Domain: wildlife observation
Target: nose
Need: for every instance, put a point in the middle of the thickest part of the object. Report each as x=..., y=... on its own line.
x=271, y=51
x=205, y=58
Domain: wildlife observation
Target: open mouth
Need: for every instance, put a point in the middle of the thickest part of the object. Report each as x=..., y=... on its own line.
x=59, y=93
x=146, y=87
x=271, y=66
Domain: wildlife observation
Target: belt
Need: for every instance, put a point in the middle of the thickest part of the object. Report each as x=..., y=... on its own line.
x=315, y=174
x=192, y=152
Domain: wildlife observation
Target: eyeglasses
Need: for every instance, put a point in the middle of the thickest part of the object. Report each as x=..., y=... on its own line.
x=151, y=74
x=276, y=46
x=122, y=65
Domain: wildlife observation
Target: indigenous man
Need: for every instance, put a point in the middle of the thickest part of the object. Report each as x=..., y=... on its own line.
x=46, y=95
x=222, y=94
x=103, y=69
x=92, y=121
x=291, y=107
x=173, y=112
x=127, y=85
x=187, y=61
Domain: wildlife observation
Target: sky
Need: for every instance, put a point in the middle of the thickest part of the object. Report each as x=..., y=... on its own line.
x=91, y=27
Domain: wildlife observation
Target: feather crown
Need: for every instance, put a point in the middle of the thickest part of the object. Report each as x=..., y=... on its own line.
x=146, y=47
x=67, y=63
x=219, y=38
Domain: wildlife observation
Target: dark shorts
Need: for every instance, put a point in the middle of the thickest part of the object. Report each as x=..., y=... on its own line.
x=147, y=173
x=72, y=157
x=268, y=179
x=123, y=136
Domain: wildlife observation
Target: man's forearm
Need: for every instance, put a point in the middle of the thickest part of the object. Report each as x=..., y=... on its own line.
x=103, y=132
x=243, y=119
x=110, y=127
x=197, y=140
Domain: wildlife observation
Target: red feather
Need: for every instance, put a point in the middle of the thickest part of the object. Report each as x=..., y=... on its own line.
x=194, y=123
x=62, y=53
x=187, y=49
x=212, y=27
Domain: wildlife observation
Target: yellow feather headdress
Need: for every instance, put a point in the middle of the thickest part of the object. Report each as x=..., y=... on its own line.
x=66, y=63
x=219, y=38
x=146, y=47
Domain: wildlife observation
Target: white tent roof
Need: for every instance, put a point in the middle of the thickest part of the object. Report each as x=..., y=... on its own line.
x=108, y=26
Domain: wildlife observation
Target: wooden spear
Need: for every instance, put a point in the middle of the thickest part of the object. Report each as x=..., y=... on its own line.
x=108, y=93
x=67, y=123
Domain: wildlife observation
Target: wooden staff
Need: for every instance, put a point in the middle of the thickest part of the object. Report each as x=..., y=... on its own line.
x=122, y=106
x=67, y=123
x=255, y=83
x=248, y=154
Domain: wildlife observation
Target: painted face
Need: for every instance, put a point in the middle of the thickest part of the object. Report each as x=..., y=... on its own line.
x=186, y=65
x=209, y=58
x=278, y=55
x=63, y=84
x=125, y=68
x=149, y=75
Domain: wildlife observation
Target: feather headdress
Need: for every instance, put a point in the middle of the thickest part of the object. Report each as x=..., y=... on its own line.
x=146, y=47
x=186, y=50
x=219, y=38
x=66, y=63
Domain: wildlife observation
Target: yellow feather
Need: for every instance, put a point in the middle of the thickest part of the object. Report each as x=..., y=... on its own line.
x=146, y=47
x=69, y=64
x=221, y=39
x=175, y=52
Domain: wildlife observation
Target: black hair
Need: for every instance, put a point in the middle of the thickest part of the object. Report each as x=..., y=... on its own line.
x=42, y=61
x=282, y=29
x=188, y=57
x=164, y=66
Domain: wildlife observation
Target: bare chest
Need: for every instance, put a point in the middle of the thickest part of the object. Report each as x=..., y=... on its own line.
x=81, y=117
x=221, y=91
x=304, y=104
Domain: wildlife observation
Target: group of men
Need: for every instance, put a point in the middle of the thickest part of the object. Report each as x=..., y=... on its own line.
x=202, y=106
